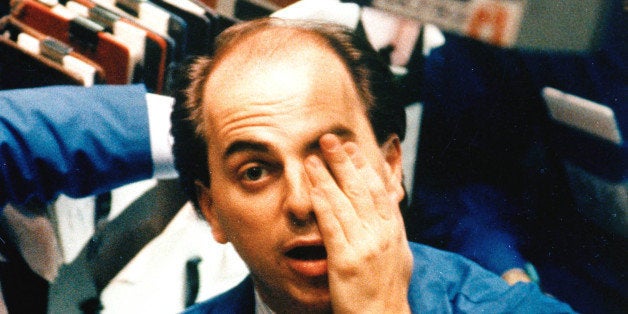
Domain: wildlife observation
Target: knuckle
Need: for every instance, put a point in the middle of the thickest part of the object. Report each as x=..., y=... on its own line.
x=353, y=191
x=350, y=266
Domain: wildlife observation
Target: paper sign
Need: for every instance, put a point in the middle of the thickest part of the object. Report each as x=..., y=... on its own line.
x=494, y=21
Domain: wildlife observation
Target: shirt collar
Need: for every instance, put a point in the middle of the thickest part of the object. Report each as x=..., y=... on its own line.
x=260, y=306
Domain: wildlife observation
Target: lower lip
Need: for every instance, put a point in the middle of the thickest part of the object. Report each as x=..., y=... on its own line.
x=309, y=268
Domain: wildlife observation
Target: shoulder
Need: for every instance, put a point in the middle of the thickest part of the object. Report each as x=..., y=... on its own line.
x=239, y=299
x=443, y=280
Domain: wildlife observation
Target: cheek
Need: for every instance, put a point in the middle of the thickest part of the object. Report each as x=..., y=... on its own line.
x=252, y=225
x=243, y=214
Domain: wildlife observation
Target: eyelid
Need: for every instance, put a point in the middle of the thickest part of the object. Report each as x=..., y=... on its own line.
x=252, y=185
x=243, y=167
x=237, y=161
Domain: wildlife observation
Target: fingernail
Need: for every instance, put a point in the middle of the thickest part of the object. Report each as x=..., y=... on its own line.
x=351, y=148
x=329, y=142
x=313, y=162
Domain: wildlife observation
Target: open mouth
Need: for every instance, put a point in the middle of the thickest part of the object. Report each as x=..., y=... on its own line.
x=308, y=253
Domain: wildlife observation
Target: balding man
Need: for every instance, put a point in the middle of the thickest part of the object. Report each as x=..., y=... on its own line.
x=288, y=142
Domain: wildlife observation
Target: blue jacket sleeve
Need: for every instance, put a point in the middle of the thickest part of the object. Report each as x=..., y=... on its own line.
x=72, y=140
x=445, y=282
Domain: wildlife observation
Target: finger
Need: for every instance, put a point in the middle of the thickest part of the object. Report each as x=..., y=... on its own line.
x=326, y=198
x=347, y=176
x=374, y=183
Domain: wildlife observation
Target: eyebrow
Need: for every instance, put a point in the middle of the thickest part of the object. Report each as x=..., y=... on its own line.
x=261, y=147
x=242, y=146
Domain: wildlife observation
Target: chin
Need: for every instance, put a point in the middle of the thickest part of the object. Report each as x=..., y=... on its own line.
x=299, y=296
x=317, y=302
x=311, y=308
x=311, y=300
x=302, y=304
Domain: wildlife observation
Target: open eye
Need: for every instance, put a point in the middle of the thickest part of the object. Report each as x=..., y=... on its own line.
x=254, y=177
x=254, y=173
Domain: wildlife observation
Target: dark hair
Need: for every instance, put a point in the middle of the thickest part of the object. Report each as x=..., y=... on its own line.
x=371, y=75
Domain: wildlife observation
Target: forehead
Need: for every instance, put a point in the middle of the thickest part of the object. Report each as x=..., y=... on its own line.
x=270, y=67
x=284, y=56
x=293, y=85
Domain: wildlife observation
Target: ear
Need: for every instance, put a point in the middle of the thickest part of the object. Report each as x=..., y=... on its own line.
x=208, y=210
x=391, y=150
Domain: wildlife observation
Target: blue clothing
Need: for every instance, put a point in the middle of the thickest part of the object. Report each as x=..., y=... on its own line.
x=471, y=220
x=72, y=140
x=490, y=181
x=441, y=282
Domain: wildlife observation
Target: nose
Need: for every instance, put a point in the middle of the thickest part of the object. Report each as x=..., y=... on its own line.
x=297, y=202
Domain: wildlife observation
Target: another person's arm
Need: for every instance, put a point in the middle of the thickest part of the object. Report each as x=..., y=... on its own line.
x=78, y=141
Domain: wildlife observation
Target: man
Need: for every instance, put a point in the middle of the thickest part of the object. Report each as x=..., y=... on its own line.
x=298, y=126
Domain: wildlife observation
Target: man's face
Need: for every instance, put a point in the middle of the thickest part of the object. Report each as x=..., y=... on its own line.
x=263, y=119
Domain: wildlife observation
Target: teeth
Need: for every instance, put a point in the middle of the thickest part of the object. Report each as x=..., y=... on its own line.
x=308, y=253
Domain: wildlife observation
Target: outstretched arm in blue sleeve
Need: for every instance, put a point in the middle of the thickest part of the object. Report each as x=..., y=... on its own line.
x=72, y=140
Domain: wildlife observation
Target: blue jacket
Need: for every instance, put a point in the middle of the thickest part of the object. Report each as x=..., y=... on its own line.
x=441, y=282
x=490, y=180
x=73, y=140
